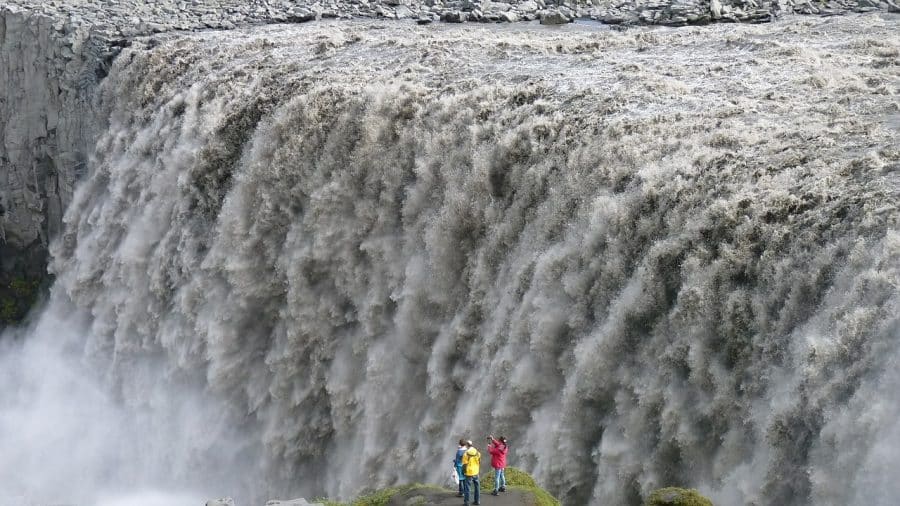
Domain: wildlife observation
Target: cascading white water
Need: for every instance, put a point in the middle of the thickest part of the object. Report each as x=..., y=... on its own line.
x=306, y=260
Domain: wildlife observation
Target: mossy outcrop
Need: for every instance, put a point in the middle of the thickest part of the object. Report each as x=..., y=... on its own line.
x=516, y=479
x=383, y=497
x=674, y=496
x=16, y=298
x=514, y=476
x=18, y=293
x=522, y=490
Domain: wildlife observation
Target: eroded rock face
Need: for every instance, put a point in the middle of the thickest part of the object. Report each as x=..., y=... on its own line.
x=54, y=54
x=50, y=68
x=42, y=116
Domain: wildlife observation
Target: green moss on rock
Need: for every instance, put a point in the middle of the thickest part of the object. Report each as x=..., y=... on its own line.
x=17, y=296
x=418, y=494
x=514, y=476
x=8, y=311
x=517, y=479
x=674, y=496
x=23, y=278
x=383, y=497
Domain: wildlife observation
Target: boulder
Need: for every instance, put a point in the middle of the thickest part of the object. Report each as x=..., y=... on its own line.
x=673, y=496
x=453, y=17
x=293, y=502
x=468, y=5
x=554, y=17
x=225, y=501
x=300, y=15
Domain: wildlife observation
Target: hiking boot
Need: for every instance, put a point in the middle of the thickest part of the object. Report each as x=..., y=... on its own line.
x=495, y=493
x=503, y=489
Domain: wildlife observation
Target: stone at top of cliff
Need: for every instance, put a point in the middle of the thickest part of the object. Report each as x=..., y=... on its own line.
x=129, y=18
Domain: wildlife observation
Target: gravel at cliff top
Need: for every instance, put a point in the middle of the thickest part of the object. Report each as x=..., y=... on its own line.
x=127, y=18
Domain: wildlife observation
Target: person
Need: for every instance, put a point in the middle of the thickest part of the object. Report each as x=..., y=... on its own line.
x=498, y=450
x=471, y=464
x=457, y=463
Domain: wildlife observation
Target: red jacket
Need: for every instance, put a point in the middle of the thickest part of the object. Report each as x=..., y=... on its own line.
x=498, y=453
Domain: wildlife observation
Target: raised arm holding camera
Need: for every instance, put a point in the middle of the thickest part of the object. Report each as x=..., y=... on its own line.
x=498, y=448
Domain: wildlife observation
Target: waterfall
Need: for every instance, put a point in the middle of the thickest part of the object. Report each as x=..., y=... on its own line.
x=306, y=260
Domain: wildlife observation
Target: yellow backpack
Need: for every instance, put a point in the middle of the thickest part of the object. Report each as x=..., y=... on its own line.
x=471, y=462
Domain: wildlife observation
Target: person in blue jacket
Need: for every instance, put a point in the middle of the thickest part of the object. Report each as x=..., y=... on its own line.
x=457, y=463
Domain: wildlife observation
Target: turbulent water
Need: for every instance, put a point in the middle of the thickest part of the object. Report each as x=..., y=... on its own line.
x=307, y=259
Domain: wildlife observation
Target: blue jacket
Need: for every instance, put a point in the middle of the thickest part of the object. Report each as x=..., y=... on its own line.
x=458, y=460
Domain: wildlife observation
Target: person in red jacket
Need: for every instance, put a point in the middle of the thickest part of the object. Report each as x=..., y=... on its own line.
x=498, y=450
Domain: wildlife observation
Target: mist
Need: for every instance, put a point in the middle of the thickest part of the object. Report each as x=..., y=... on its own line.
x=70, y=434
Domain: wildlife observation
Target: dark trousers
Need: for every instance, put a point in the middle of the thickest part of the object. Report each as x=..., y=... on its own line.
x=471, y=484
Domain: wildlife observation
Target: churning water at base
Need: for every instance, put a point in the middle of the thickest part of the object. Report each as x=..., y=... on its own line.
x=67, y=440
x=307, y=259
